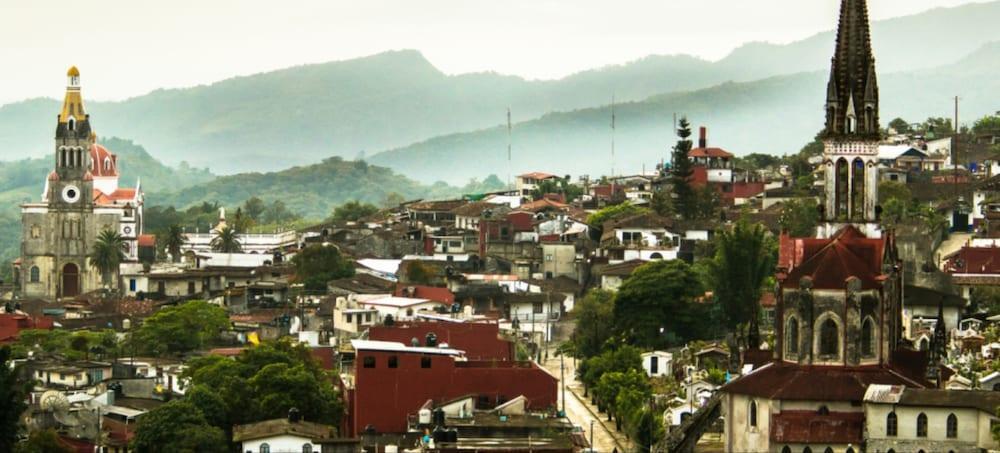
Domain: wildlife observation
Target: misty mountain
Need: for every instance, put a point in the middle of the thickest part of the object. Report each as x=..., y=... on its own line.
x=777, y=115
x=304, y=114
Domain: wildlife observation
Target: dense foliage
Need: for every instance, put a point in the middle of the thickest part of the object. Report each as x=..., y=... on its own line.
x=181, y=328
x=799, y=217
x=318, y=264
x=13, y=393
x=77, y=345
x=263, y=383
x=615, y=212
x=593, y=330
x=656, y=306
x=352, y=211
x=681, y=169
x=178, y=426
x=744, y=261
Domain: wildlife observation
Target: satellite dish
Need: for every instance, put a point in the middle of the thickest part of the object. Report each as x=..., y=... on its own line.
x=53, y=401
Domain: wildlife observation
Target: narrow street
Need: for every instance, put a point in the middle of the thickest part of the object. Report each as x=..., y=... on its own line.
x=581, y=412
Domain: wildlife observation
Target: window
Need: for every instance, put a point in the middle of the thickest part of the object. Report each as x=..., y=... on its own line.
x=792, y=335
x=36, y=232
x=922, y=425
x=807, y=450
x=71, y=124
x=190, y=287
x=537, y=308
x=425, y=362
x=752, y=414
x=368, y=317
x=350, y=318
x=787, y=449
x=369, y=362
x=828, y=450
x=829, y=338
x=131, y=284
x=35, y=274
x=307, y=448
x=868, y=338
x=265, y=448
x=891, y=425
x=393, y=361
x=952, y=426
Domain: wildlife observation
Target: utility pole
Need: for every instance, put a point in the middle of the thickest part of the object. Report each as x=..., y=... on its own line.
x=591, y=435
x=509, y=127
x=562, y=380
x=612, y=146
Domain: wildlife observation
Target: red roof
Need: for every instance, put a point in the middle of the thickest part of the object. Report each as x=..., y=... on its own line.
x=431, y=293
x=147, y=240
x=792, y=382
x=542, y=204
x=102, y=162
x=709, y=152
x=11, y=325
x=537, y=175
x=811, y=427
x=53, y=176
x=974, y=260
x=102, y=198
x=830, y=262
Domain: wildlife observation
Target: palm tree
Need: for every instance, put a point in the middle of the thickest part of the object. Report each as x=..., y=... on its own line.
x=174, y=240
x=107, y=254
x=227, y=241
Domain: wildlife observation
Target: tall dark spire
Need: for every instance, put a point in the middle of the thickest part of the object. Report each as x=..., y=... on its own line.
x=852, y=93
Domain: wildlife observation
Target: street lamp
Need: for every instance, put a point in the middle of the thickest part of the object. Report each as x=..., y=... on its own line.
x=591, y=435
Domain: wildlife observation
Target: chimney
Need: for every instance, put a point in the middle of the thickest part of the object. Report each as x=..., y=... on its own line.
x=703, y=137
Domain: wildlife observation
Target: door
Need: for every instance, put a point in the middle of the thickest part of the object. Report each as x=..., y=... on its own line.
x=70, y=280
x=654, y=365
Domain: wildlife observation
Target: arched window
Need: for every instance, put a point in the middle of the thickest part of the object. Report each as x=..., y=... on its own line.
x=842, y=179
x=828, y=450
x=807, y=450
x=952, y=426
x=868, y=338
x=71, y=124
x=752, y=414
x=922, y=425
x=656, y=256
x=307, y=448
x=35, y=274
x=265, y=448
x=858, y=189
x=849, y=450
x=891, y=425
x=792, y=335
x=925, y=344
x=891, y=451
x=107, y=164
x=852, y=124
x=787, y=449
x=829, y=338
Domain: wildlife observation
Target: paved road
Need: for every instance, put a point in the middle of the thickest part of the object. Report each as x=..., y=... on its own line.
x=579, y=411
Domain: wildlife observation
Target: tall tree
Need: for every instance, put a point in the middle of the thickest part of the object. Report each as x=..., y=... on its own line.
x=744, y=259
x=44, y=441
x=592, y=327
x=177, y=426
x=681, y=171
x=318, y=264
x=174, y=240
x=227, y=241
x=13, y=393
x=181, y=328
x=799, y=217
x=107, y=254
x=253, y=207
x=655, y=307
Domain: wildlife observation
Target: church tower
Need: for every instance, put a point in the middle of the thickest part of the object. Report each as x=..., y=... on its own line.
x=71, y=183
x=851, y=136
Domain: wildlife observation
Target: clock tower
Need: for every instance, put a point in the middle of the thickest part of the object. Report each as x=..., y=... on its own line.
x=71, y=184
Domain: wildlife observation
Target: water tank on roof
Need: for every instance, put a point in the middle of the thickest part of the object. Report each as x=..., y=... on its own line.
x=439, y=417
x=424, y=417
x=439, y=434
x=391, y=449
x=452, y=435
x=431, y=340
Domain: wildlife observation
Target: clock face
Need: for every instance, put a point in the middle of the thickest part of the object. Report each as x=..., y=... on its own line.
x=71, y=194
x=127, y=230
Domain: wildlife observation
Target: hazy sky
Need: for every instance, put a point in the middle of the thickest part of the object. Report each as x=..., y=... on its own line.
x=129, y=47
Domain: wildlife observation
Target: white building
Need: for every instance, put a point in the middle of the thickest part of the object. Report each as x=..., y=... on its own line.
x=283, y=435
x=400, y=308
x=658, y=363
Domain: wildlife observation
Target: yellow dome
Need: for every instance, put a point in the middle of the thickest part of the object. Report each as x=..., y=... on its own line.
x=73, y=72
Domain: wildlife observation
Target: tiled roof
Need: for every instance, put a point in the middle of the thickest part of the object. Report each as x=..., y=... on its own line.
x=791, y=382
x=623, y=269
x=101, y=198
x=147, y=240
x=431, y=293
x=974, y=260
x=281, y=427
x=542, y=204
x=830, y=262
x=537, y=175
x=103, y=162
x=709, y=152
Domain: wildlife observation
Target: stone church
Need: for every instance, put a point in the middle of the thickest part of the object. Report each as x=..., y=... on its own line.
x=81, y=198
x=838, y=319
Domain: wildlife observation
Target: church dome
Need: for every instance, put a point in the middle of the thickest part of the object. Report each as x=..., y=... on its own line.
x=73, y=72
x=102, y=161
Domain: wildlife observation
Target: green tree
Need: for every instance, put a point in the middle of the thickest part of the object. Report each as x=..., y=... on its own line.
x=13, y=393
x=421, y=274
x=707, y=202
x=989, y=124
x=662, y=203
x=318, y=264
x=182, y=328
x=900, y=126
x=616, y=212
x=621, y=359
x=227, y=241
x=352, y=211
x=758, y=161
x=889, y=190
x=253, y=207
x=174, y=240
x=799, y=217
x=680, y=173
x=178, y=426
x=263, y=383
x=278, y=213
x=393, y=200
x=938, y=127
x=107, y=255
x=592, y=327
x=655, y=306
x=648, y=429
x=744, y=259
x=44, y=441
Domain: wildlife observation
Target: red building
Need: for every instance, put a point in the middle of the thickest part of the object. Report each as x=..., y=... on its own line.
x=433, y=293
x=392, y=381
x=11, y=325
x=479, y=341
